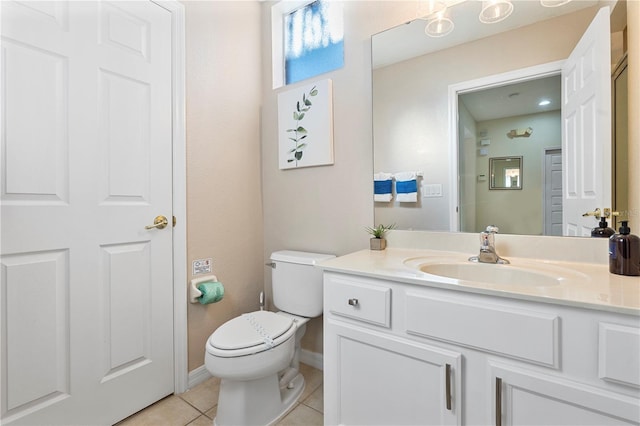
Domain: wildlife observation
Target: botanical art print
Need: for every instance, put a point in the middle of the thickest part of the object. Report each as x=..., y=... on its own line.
x=305, y=126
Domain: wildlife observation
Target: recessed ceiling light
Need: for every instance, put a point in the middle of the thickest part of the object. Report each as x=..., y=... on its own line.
x=544, y=102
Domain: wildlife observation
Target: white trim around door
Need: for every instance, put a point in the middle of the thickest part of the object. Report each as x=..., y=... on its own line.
x=179, y=194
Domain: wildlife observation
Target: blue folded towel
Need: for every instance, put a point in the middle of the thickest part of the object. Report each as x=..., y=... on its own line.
x=382, y=187
x=406, y=187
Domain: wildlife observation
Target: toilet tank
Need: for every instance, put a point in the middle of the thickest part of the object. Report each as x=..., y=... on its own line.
x=297, y=283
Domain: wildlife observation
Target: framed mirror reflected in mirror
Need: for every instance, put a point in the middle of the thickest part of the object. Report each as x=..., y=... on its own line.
x=505, y=173
x=413, y=129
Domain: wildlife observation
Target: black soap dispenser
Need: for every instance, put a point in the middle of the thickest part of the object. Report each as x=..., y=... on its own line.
x=603, y=230
x=624, y=252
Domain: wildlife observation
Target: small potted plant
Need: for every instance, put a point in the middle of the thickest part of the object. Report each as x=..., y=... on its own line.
x=378, y=241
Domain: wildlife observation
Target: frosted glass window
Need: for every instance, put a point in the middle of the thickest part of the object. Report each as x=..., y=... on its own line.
x=313, y=40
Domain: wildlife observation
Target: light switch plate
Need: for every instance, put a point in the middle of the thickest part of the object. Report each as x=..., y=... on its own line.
x=432, y=190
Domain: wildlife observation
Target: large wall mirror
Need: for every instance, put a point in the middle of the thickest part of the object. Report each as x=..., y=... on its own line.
x=414, y=79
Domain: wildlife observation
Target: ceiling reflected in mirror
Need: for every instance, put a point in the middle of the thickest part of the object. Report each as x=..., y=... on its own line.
x=392, y=46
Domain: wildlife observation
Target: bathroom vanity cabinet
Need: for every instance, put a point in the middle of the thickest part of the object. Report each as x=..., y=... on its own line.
x=402, y=353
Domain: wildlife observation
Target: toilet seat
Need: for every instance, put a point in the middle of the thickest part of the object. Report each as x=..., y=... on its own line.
x=250, y=333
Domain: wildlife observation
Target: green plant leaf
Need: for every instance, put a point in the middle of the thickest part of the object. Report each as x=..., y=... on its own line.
x=380, y=230
x=298, y=106
x=294, y=139
x=296, y=116
x=307, y=102
x=290, y=130
x=302, y=130
x=302, y=137
x=290, y=160
x=314, y=91
x=298, y=155
x=300, y=116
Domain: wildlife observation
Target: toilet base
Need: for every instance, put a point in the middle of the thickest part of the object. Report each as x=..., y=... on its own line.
x=256, y=402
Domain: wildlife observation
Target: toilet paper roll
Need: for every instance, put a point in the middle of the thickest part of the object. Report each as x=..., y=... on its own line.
x=212, y=292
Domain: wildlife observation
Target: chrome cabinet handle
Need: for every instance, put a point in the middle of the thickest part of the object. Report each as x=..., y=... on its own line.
x=498, y=401
x=353, y=302
x=159, y=222
x=447, y=386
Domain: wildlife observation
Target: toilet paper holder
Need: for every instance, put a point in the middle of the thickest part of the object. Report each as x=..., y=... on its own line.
x=194, y=293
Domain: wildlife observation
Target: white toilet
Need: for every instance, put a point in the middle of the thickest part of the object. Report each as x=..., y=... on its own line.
x=256, y=354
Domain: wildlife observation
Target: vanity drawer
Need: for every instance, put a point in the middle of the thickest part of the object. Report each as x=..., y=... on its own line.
x=498, y=328
x=618, y=354
x=360, y=300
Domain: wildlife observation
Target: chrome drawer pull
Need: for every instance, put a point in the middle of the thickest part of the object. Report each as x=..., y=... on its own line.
x=447, y=386
x=353, y=302
x=498, y=401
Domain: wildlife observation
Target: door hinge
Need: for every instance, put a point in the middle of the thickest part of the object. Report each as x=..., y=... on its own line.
x=174, y=221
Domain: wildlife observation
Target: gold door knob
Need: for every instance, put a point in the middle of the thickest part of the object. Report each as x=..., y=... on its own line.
x=595, y=213
x=159, y=222
x=609, y=213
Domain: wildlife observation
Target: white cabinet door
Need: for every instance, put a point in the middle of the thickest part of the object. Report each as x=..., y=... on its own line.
x=524, y=397
x=380, y=379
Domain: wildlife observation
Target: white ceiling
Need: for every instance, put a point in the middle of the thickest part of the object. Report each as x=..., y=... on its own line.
x=409, y=40
x=513, y=99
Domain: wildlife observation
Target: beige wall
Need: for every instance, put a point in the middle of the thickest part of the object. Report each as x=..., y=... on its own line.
x=517, y=211
x=224, y=203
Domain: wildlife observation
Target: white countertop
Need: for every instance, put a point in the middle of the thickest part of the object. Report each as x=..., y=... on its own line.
x=589, y=285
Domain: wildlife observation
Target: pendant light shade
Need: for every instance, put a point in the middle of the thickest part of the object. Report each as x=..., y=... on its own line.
x=440, y=26
x=495, y=11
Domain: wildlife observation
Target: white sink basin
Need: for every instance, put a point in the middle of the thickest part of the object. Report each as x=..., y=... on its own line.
x=524, y=273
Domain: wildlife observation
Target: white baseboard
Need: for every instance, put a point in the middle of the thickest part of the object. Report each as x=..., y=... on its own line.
x=201, y=374
x=198, y=376
x=313, y=359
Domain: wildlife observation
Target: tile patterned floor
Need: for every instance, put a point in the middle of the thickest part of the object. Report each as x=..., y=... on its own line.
x=198, y=406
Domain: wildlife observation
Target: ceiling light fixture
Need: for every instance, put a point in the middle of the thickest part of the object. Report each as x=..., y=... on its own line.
x=495, y=11
x=439, y=26
x=520, y=133
x=544, y=102
x=553, y=3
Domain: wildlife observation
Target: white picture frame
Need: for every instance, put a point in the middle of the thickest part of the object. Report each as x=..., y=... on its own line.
x=305, y=126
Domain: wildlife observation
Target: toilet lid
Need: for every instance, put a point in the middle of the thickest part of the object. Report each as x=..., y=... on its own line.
x=252, y=329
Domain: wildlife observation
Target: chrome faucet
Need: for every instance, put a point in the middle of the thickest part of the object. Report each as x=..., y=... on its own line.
x=488, y=248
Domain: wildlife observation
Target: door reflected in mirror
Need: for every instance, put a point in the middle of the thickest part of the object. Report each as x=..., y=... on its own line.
x=505, y=173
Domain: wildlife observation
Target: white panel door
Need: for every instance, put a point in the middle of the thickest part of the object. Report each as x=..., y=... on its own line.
x=553, y=192
x=87, y=307
x=586, y=128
